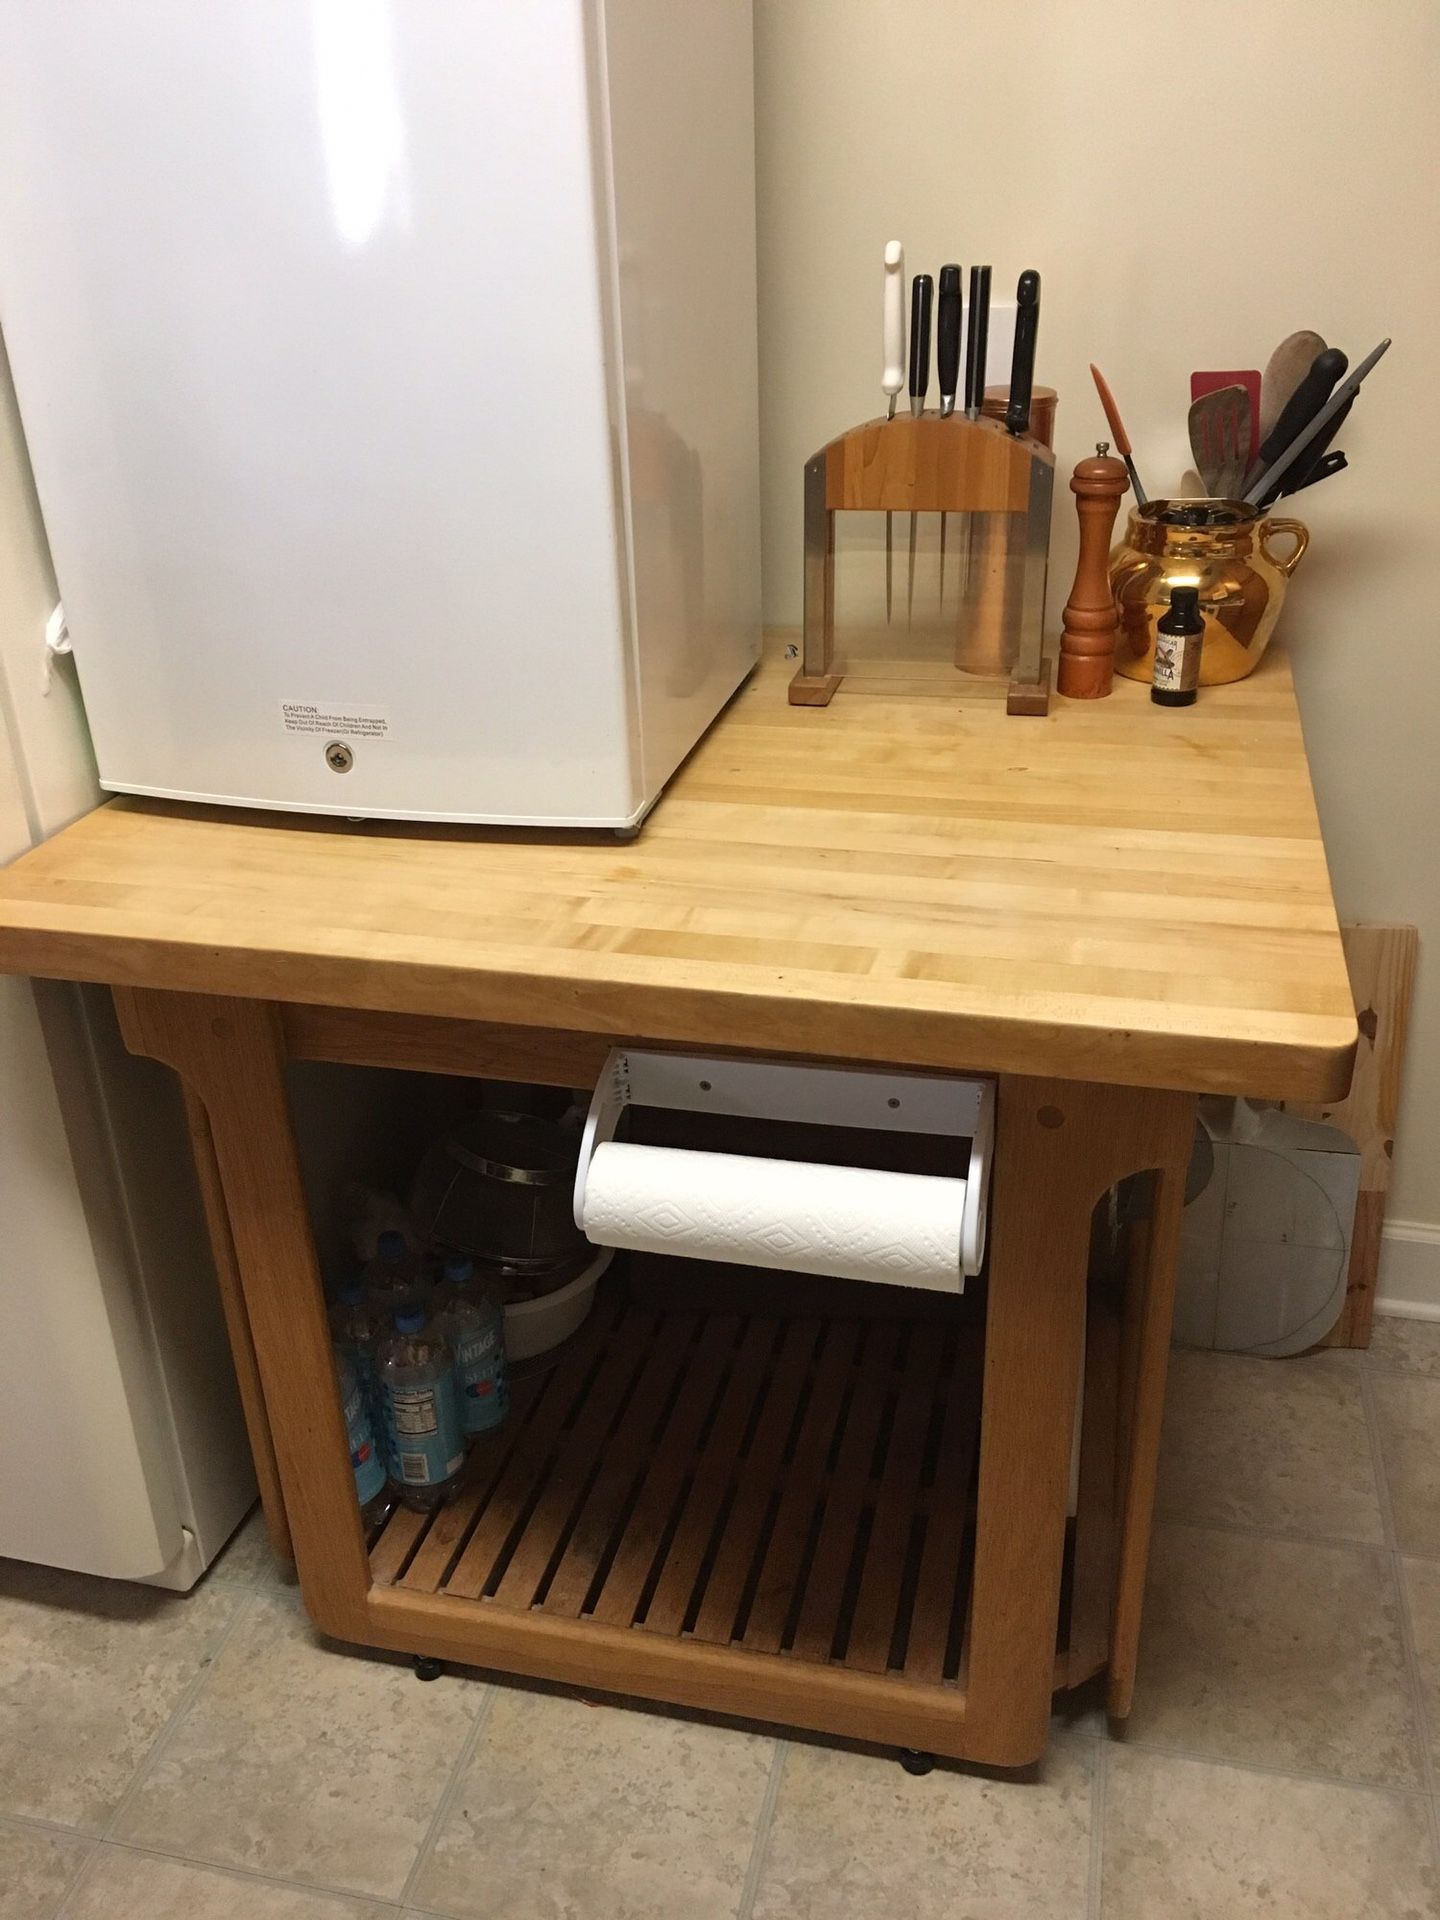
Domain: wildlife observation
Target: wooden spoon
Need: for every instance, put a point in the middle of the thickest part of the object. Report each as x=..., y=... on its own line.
x=1285, y=369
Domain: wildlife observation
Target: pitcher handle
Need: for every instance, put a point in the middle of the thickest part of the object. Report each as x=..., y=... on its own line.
x=1301, y=536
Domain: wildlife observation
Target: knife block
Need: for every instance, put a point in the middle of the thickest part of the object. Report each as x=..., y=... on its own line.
x=937, y=464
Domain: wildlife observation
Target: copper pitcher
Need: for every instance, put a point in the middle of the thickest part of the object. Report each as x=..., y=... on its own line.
x=1222, y=547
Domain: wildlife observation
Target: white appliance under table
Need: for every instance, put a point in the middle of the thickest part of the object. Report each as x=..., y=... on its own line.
x=389, y=375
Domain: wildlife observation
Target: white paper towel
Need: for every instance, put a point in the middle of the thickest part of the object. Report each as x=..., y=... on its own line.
x=853, y=1222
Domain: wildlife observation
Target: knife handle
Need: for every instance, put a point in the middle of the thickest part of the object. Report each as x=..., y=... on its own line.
x=892, y=378
x=972, y=324
x=922, y=294
x=982, y=339
x=1332, y=463
x=947, y=336
x=1306, y=401
x=1022, y=361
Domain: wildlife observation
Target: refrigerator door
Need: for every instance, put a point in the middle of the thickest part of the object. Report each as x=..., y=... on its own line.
x=284, y=286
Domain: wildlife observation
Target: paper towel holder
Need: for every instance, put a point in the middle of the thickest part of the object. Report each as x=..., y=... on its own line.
x=960, y=1108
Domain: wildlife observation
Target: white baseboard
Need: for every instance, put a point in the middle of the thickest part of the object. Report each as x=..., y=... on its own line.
x=1409, y=1279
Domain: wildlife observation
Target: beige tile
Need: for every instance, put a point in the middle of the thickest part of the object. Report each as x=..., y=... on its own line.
x=304, y=1761
x=598, y=1813
x=1408, y=1410
x=1185, y=1840
x=854, y=1834
x=1413, y=1345
x=140, y=1886
x=1276, y=1652
x=248, y=1560
x=1278, y=1444
x=1422, y=1594
x=36, y=1867
x=90, y=1671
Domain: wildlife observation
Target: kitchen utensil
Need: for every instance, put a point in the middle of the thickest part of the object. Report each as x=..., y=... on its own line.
x=1284, y=370
x=892, y=378
x=1333, y=462
x=947, y=366
x=1092, y=625
x=1304, y=403
x=976, y=338
x=498, y=1188
x=1117, y=431
x=1022, y=360
x=1225, y=548
x=1246, y=377
x=1261, y=489
x=1192, y=487
x=947, y=338
x=922, y=294
x=1217, y=422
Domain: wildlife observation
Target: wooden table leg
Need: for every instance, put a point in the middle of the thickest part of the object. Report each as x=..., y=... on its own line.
x=1147, y=1408
x=230, y=1055
x=1059, y=1146
x=237, y=1324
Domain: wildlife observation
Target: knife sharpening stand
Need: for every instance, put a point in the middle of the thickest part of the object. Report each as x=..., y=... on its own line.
x=941, y=464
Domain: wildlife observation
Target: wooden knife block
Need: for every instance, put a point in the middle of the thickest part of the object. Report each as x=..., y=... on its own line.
x=934, y=464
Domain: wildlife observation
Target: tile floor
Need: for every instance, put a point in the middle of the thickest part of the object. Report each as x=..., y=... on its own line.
x=207, y=1758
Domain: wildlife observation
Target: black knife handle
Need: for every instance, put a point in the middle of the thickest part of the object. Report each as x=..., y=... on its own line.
x=947, y=332
x=981, y=313
x=1306, y=401
x=1022, y=361
x=922, y=294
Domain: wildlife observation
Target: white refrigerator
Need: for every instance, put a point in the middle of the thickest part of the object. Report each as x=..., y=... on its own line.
x=122, y=1448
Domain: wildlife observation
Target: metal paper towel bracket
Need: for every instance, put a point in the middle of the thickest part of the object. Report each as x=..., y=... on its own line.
x=815, y=1096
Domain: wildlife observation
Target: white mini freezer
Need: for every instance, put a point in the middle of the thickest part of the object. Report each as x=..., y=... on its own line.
x=389, y=375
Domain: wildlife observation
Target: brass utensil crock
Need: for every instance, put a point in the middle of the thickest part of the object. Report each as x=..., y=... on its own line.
x=1222, y=547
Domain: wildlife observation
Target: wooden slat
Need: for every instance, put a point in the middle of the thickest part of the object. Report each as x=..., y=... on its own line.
x=665, y=1472
x=873, y=1626
x=824, y=1586
x=726, y=1581
x=472, y=1570
x=671, y=1600
x=489, y=1455
x=398, y=1541
x=580, y=1448
x=945, y=1521
x=620, y=1465
x=775, y=1589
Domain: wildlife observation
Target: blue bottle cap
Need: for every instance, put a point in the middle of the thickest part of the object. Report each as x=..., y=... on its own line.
x=410, y=1321
x=391, y=1246
x=458, y=1268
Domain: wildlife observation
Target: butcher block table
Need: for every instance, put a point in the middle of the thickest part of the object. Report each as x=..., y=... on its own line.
x=852, y=1527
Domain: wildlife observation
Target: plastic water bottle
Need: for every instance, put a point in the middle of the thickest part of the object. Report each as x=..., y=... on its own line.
x=354, y=1330
x=422, y=1415
x=474, y=1321
x=371, y=1485
x=395, y=1277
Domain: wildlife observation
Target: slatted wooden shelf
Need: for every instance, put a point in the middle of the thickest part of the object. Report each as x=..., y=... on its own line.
x=794, y=1489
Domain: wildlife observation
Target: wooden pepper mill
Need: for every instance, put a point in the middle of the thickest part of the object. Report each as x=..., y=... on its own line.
x=1092, y=622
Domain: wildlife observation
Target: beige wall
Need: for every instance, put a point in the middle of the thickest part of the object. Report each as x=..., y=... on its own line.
x=1193, y=183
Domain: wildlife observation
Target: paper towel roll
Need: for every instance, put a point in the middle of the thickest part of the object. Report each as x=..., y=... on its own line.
x=853, y=1222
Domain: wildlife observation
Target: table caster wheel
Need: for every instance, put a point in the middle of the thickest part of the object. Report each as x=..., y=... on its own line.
x=426, y=1668
x=916, y=1762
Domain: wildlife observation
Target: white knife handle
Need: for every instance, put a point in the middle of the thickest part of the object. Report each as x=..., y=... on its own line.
x=892, y=380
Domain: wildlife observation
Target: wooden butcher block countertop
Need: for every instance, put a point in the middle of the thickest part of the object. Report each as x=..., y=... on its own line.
x=1117, y=892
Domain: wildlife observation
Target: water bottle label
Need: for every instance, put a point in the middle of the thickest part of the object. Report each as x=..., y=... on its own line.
x=483, y=1380
x=365, y=1458
x=425, y=1424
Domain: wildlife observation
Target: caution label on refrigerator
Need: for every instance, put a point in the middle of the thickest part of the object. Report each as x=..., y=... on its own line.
x=344, y=723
